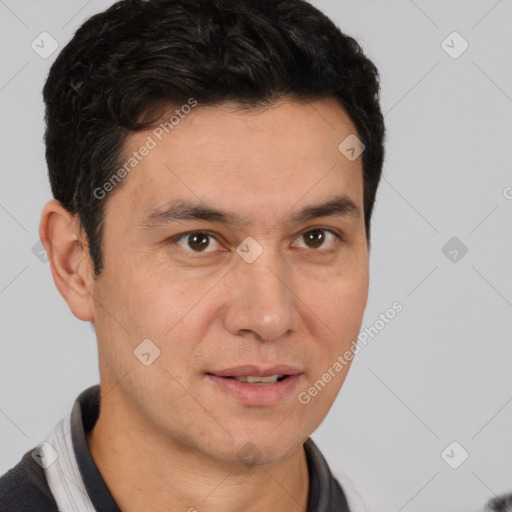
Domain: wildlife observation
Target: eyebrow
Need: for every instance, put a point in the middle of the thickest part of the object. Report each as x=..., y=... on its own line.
x=179, y=210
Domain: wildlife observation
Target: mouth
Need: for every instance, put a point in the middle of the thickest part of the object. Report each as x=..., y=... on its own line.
x=256, y=386
x=251, y=379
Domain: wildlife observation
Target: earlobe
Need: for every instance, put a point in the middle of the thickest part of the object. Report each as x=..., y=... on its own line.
x=69, y=258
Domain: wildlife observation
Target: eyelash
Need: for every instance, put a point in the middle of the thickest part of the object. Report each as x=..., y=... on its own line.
x=175, y=239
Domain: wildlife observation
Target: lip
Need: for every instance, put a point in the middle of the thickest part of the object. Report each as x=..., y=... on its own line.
x=253, y=394
x=257, y=371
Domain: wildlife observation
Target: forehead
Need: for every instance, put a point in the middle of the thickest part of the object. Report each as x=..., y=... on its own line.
x=244, y=160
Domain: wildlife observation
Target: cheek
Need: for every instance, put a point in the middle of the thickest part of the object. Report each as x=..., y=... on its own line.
x=338, y=312
x=174, y=312
x=340, y=303
x=347, y=308
x=154, y=302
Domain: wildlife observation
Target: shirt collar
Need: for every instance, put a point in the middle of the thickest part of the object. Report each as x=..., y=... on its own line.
x=84, y=414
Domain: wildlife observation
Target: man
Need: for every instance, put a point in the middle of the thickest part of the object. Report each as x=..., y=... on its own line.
x=214, y=165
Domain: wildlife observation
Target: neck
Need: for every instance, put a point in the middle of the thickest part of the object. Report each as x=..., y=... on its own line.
x=143, y=471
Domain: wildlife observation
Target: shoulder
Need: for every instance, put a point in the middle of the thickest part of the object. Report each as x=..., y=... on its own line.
x=24, y=487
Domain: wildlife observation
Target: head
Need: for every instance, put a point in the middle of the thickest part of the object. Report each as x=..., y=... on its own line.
x=205, y=201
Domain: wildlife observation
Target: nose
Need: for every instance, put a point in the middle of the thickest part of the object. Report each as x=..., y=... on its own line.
x=261, y=301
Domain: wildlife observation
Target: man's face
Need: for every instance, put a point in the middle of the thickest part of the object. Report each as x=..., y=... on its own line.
x=292, y=296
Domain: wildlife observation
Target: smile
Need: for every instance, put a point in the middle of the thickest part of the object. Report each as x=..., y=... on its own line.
x=253, y=386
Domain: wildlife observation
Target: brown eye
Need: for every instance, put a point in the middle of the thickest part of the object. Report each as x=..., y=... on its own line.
x=196, y=242
x=317, y=238
x=314, y=238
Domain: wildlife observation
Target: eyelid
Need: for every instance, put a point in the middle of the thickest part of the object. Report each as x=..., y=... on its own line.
x=336, y=235
x=176, y=238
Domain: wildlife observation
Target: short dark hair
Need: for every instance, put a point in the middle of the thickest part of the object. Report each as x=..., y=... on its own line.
x=125, y=65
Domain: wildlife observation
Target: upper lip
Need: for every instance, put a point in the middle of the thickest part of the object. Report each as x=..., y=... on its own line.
x=257, y=371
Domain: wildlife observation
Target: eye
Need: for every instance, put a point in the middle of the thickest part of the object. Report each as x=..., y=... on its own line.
x=200, y=242
x=197, y=241
x=316, y=238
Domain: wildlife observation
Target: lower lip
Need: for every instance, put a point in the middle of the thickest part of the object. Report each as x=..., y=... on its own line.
x=254, y=394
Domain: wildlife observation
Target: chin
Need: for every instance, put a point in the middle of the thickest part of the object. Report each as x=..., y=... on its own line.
x=249, y=450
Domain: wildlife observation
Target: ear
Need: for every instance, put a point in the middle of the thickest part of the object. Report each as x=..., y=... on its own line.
x=69, y=258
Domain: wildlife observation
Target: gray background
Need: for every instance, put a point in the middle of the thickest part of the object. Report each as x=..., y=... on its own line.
x=440, y=371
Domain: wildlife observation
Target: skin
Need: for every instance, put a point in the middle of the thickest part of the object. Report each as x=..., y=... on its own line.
x=167, y=437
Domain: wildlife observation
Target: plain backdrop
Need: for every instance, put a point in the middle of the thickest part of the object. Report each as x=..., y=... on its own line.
x=439, y=372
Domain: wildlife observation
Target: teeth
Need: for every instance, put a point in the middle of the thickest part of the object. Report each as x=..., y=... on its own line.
x=271, y=379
